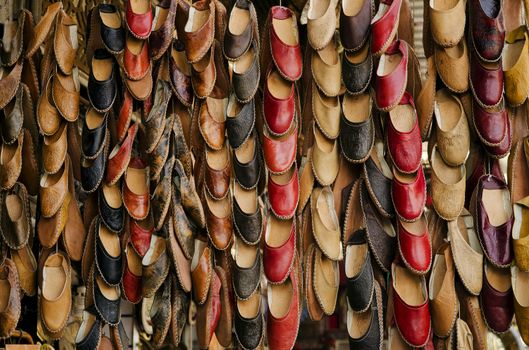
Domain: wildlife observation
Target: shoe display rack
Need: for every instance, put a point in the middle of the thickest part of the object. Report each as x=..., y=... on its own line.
x=231, y=174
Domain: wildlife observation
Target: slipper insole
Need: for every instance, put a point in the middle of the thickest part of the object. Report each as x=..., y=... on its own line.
x=94, y=119
x=112, y=195
x=244, y=63
x=250, y=307
x=247, y=199
x=356, y=109
x=137, y=181
x=354, y=259
x=499, y=279
x=14, y=207
x=497, y=205
x=110, y=20
x=278, y=232
x=239, y=20
x=279, y=87
x=220, y=208
x=280, y=297
x=217, y=160
x=245, y=255
x=408, y=286
x=286, y=30
x=246, y=152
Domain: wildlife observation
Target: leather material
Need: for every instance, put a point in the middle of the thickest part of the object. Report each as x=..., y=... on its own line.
x=325, y=225
x=321, y=26
x=495, y=240
x=156, y=119
x=42, y=29
x=520, y=240
x=179, y=310
x=48, y=117
x=249, y=331
x=184, y=232
x=415, y=247
x=54, y=150
x=111, y=217
x=278, y=261
x=15, y=230
x=282, y=332
x=280, y=154
x=284, y=198
x=136, y=66
x=108, y=309
x=355, y=29
x=248, y=174
x=64, y=49
x=409, y=198
x=357, y=76
x=325, y=282
x=490, y=125
x=383, y=244
x=201, y=275
x=102, y=93
x=472, y=315
x=10, y=315
x=125, y=115
x=208, y=314
x=278, y=114
x=409, y=144
x=247, y=280
x=219, y=229
x=360, y=288
x=66, y=93
x=131, y=283
x=448, y=24
x=453, y=66
x=247, y=226
x=113, y=38
x=245, y=84
x=189, y=197
x=372, y=338
x=180, y=77
x=50, y=229
x=325, y=158
x=497, y=306
x=218, y=181
x=287, y=58
x=155, y=269
x=92, y=338
x=413, y=321
x=443, y=298
x=519, y=286
x=160, y=313
x=9, y=83
x=212, y=122
x=93, y=140
x=384, y=28
x=110, y=268
x=313, y=307
x=160, y=40
x=356, y=139
x=239, y=127
x=13, y=118
x=140, y=236
x=390, y=88
x=139, y=24
x=486, y=28
x=503, y=149
x=326, y=68
x=137, y=205
x=159, y=157
x=486, y=83
x=198, y=42
x=55, y=311
x=379, y=187
x=140, y=89
x=517, y=83
x=235, y=45
x=92, y=172
x=11, y=166
x=161, y=197
x=10, y=55
x=326, y=111
x=52, y=194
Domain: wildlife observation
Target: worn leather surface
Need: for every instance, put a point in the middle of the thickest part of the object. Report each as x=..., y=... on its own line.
x=326, y=71
x=391, y=87
x=15, y=233
x=454, y=143
x=356, y=77
x=240, y=126
x=282, y=332
x=355, y=30
x=287, y=58
x=9, y=57
x=409, y=198
x=9, y=83
x=245, y=85
x=179, y=311
x=131, y=283
x=223, y=331
x=92, y=339
x=279, y=154
x=212, y=123
x=327, y=236
x=415, y=248
x=379, y=187
x=218, y=181
x=278, y=261
x=383, y=246
x=198, y=42
x=325, y=282
x=486, y=28
x=65, y=53
x=140, y=235
x=161, y=39
x=50, y=229
x=201, y=276
x=48, y=117
x=180, y=80
x=13, y=117
x=189, y=197
x=444, y=303
x=160, y=312
x=109, y=310
x=93, y=140
x=10, y=315
x=52, y=196
x=140, y=89
x=384, y=27
x=356, y=139
x=249, y=331
x=161, y=201
x=109, y=267
x=113, y=38
x=278, y=114
x=159, y=157
x=55, y=312
x=453, y=70
x=220, y=229
x=413, y=321
x=247, y=280
x=495, y=241
x=136, y=66
x=139, y=24
x=102, y=94
x=236, y=45
x=10, y=170
x=497, y=306
x=183, y=228
x=137, y=205
x=486, y=83
x=248, y=226
x=155, y=272
x=360, y=288
x=54, y=150
x=284, y=198
x=521, y=311
x=490, y=125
